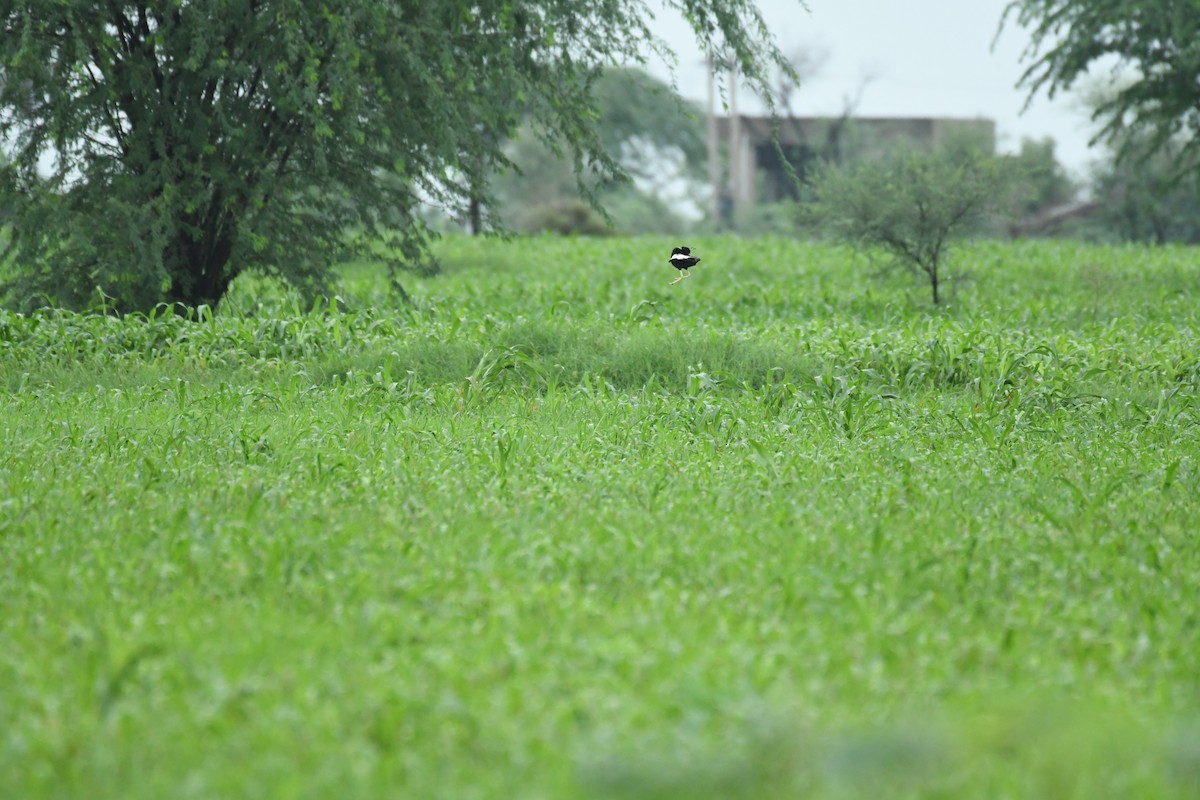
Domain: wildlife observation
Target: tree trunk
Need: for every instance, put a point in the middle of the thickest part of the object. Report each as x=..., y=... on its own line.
x=199, y=272
x=475, y=215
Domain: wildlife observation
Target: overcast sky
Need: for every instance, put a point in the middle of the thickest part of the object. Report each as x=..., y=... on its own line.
x=927, y=58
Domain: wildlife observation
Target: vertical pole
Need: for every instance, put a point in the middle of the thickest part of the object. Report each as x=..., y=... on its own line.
x=735, y=139
x=714, y=155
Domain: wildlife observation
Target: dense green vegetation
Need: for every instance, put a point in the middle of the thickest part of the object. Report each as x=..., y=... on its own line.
x=1151, y=59
x=557, y=529
x=161, y=150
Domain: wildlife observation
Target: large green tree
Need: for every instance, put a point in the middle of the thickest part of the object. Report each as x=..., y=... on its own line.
x=1156, y=43
x=159, y=149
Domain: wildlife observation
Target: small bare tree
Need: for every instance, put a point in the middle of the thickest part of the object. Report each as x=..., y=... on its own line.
x=912, y=205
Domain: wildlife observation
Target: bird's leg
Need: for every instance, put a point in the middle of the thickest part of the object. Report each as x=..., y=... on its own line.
x=677, y=280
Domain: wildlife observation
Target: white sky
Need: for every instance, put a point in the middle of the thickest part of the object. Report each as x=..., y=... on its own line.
x=929, y=58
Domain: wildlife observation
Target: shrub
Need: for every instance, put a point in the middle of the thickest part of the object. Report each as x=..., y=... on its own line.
x=912, y=205
x=566, y=217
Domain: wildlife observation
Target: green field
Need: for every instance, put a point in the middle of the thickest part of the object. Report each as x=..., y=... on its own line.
x=558, y=529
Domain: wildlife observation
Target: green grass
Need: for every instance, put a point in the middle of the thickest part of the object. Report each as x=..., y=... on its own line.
x=560, y=530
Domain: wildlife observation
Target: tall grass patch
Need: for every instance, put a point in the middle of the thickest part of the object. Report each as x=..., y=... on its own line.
x=781, y=530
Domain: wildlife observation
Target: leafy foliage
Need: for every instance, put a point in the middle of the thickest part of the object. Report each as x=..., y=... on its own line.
x=655, y=136
x=640, y=117
x=1145, y=199
x=1158, y=39
x=1141, y=187
x=1043, y=181
x=186, y=143
x=911, y=205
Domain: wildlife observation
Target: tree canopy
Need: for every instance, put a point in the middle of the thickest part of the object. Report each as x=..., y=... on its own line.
x=158, y=149
x=1159, y=40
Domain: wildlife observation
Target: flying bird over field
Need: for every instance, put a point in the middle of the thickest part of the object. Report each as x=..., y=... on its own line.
x=683, y=260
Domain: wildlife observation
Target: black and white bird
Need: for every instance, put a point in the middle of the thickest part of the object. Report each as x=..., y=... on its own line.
x=683, y=260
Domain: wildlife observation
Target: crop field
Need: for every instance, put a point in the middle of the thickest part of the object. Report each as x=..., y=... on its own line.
x=556, y=529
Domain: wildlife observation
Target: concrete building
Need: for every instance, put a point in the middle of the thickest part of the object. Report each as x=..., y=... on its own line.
x=755, y=173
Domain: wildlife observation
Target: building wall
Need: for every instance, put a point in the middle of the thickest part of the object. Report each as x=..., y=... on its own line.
x=754, y=177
